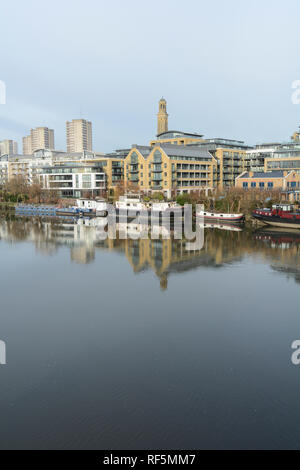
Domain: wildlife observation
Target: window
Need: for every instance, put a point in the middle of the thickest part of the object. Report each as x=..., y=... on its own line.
x=245, y=185
x=253, y=185
x=134, y=159
x=270, y=184
x=157, y=156
x=261, y=184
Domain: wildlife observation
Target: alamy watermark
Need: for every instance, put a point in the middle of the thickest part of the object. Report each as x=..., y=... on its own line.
x=143, y=224
x=2, y=92
x=296, y=94
x=295, y=358
x=2, y=353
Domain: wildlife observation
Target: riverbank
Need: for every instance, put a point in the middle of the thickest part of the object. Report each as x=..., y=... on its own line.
x=7, y=207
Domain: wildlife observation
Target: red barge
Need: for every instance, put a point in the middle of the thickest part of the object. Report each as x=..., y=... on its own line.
x=282, y=215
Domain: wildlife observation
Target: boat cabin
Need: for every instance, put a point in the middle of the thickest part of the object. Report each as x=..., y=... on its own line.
x=91, y=204
x=283, y=207
x=130, y=201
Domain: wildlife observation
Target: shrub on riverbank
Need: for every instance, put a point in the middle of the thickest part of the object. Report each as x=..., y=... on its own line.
x=232, y=199
x=17, y=190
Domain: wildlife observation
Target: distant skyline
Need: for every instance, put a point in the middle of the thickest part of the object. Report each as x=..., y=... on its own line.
x=225, y=68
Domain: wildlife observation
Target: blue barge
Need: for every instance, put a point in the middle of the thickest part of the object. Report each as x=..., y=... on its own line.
x=27, y=209
x=32, y=210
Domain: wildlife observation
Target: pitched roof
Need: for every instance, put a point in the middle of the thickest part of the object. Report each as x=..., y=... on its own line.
x=264, y=174
x=183, y=151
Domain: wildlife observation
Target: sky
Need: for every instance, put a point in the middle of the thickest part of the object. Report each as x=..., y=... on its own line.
x=226, y=68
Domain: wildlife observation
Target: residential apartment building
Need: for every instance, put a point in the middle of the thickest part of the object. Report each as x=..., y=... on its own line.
x=27, y=145
x=275, y=156
x=255, y=157
x=285, y=157
x=230, y=157
x=74, y=179
x=271, y=180
x=113, y=165
x=169, y=168
x=39, y=138
x=8, y=147
x=79, y=135
x=22, y=166
x=229, y=154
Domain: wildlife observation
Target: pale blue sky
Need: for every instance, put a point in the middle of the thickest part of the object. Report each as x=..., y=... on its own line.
x=225, y=68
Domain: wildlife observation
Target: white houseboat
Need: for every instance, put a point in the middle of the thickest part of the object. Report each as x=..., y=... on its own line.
x=135, y=204
x=97, y=207
x=132, y=202
x=221, y=217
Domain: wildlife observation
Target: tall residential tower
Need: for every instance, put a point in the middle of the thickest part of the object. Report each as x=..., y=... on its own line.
x=39, y=138
x=79, y=135
x=8, y=147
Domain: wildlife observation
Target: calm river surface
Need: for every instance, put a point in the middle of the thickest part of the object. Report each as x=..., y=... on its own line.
x=139, y=344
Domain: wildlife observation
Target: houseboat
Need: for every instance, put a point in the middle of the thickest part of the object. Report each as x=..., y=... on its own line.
x=281, y=215
x=35, y=210
x=98, y=207
x=86, y=207
x=221, y=217
x=134, y=203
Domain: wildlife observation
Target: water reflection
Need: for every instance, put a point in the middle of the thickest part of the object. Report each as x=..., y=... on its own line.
x=223, y=245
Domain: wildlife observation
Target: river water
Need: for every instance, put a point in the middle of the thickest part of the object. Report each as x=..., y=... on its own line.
x=141, y=344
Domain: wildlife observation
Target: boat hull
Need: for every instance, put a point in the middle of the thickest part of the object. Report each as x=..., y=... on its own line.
x=277, y=221
x=218, y=217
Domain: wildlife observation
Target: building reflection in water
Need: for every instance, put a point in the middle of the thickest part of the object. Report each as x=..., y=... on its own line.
x=166, y=256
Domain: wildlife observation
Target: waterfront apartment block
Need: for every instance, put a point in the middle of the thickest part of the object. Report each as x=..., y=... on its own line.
x=230, y=157
x=79, y=135
x=169, y=168
x=255, y=157
x=113, y=165
x=74, y=179
x=39, y=138
x=30, y=167
x=8, y=147
x=272, y=180
x=285, y=157
x=23, y=166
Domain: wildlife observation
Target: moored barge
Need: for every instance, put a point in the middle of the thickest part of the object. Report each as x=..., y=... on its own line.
x=281, y=215
x=221, y=217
